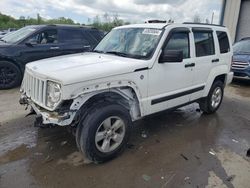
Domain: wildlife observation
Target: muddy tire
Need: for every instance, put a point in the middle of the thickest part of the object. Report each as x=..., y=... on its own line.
x=10, y=75
x=212, y=102
x=104, y=132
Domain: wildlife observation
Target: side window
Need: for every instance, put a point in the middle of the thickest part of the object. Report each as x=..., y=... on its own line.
x=204, y=43
x=72, y=36
x=179, y=41
x=223, y=42
x=45, y=37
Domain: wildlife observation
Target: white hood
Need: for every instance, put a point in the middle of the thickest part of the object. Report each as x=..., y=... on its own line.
x=75, y=68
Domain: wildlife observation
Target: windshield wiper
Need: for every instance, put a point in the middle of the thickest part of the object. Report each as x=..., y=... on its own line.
x=126, y=55
x=118, y=53
x=98, y=51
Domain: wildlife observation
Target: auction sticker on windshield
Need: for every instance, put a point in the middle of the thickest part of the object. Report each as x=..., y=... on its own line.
x=151, y=32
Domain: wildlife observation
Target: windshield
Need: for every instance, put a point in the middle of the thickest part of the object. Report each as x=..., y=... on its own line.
x=242, y=47
x=137, y=43
x=18, y=35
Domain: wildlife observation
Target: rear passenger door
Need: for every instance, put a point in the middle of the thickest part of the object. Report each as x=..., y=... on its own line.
x=205, y=58
x=73, y=41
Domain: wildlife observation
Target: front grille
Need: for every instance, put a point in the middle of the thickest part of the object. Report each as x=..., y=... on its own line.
x=34, y=88
x=240, y=65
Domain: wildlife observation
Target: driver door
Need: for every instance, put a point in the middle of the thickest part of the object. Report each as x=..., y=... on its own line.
x=170, y=83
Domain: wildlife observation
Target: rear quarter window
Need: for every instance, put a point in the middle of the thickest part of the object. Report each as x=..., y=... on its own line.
x=98, y=35
x=223, y=42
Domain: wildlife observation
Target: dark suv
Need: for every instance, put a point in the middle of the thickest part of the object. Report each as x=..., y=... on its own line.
x=38, y=42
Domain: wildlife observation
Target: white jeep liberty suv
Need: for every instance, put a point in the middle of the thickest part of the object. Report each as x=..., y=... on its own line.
x=135, y=71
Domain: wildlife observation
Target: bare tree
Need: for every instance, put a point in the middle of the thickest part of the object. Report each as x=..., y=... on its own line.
x=106, y=17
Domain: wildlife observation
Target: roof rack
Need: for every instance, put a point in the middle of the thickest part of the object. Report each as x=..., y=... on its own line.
x=203, y=24
x=156, y=21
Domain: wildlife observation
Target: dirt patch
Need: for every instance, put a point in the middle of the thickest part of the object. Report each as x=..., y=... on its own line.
x=75, y=159
x=15, y=154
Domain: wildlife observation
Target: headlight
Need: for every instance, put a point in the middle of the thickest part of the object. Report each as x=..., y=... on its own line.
x=53, y=94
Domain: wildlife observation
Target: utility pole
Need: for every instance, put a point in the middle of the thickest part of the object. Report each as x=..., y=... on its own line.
x=212, y=20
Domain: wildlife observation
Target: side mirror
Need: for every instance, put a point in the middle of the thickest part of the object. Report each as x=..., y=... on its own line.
x=171, y=56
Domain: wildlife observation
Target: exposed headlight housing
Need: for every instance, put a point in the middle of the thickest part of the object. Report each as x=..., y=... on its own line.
x=53, y=94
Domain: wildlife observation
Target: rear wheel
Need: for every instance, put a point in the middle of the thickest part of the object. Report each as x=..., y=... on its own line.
x=104, y=132
x=212, y=102
x=10, y=75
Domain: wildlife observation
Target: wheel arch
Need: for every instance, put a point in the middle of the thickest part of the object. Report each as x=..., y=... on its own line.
x=125, y=96
x=218, y=73
x=21, y=68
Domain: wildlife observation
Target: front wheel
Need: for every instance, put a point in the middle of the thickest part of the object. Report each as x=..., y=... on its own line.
x=10, y=75
x=105, y=132
x=212, y=102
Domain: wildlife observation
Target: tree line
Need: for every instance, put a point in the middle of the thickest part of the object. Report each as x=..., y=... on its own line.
x=105, y=22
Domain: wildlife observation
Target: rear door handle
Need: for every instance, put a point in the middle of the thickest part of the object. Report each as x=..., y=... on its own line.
x=215, y=60
x=190, y=65
x=86, y=46
x=54, y=48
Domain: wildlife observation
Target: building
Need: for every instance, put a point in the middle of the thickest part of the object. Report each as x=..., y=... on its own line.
x=236, y=16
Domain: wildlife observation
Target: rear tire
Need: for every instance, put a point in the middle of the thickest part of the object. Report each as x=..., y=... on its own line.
x=10, y=75
x=104, y=132
x=212, y=102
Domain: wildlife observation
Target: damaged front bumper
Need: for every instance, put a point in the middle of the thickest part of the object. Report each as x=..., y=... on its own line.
x=61, y=117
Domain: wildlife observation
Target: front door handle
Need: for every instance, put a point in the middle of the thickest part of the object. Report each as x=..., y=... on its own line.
x=54, y=48
x=190, y=65
x=215, y=60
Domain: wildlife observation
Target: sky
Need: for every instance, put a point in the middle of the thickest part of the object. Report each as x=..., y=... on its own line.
x=134, y=11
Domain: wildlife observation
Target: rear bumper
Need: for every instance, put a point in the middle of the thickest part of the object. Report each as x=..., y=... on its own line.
x=230, y=76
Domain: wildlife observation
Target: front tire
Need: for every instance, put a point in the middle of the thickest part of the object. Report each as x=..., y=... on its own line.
x=105, y=132
x=212, y=102
x=10, y=75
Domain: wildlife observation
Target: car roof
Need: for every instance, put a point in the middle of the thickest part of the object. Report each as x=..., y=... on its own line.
x=62, y=26
x=164, y=25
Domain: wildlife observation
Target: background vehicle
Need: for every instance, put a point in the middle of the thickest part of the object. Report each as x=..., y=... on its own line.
x=241, y=58
x=38, y=42
x=5, y=32
x=2, y=34
x=135, y=71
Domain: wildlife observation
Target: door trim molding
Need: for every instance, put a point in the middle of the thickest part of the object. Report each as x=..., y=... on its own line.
x=177, y=95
